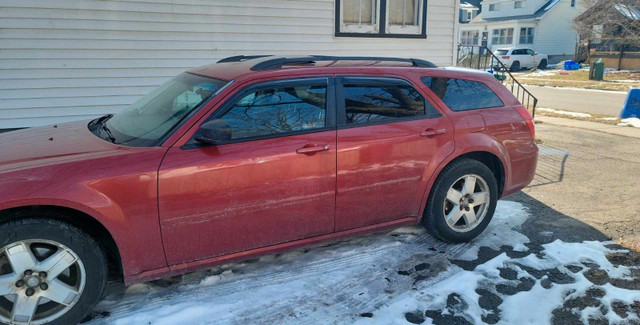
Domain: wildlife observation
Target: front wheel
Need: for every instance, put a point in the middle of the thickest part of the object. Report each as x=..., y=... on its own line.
x=50, y=272
x=462, y=201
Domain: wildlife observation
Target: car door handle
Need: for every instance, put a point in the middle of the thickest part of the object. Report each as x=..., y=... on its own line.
x=312, y=148
x=432, y=132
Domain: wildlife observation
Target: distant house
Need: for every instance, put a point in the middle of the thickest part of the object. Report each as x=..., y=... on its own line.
x=607, y=20
x=542, y=25
x=611, y=32
x=72, y=60
x=469, y=9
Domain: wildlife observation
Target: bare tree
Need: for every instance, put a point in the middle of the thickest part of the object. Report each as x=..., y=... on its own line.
x=618, y=20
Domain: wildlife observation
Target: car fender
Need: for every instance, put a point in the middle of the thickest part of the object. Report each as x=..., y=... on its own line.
x=464, y=144
x=123, y=201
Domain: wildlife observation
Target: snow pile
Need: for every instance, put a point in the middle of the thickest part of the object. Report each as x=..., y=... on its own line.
x=561, y=112
x=535, y=304
x=632, y=121
x=539, y=72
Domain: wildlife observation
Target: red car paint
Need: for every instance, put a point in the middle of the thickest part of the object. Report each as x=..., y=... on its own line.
x=172, y=209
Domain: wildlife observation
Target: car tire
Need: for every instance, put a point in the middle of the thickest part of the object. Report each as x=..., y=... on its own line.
x=542, y=64
x=49, y=245
x=439, y=215
x=515, y=66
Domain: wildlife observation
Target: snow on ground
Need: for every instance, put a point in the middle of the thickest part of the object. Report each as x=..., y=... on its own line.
x=632, y=121
x=561, y=112
x=402, y=276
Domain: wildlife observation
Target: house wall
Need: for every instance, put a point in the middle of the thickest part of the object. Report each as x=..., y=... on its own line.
x=506, y=8
x=464, y=14
x=70, y=60
x=489, y=27
x=555, y=35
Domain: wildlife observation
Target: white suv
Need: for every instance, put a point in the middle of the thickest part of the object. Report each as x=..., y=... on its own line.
x=517, y=58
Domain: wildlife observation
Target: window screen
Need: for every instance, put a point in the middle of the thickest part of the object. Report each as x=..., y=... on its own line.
x=359, y=11
x=373, y=103
x=403, y=12
x=271, y=111
x=462, y=95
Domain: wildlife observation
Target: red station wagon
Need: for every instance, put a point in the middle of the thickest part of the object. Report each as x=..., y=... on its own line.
x=250, y=156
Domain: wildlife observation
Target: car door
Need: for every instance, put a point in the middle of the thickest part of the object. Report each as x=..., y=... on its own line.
x=532, y=58
x=526, y=60
x=273, y=182
x=389, y=140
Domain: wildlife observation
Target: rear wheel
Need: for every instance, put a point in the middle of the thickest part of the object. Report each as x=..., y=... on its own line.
x=515, y=66
x=462, y=201
x=542, y=64
x=50, y=272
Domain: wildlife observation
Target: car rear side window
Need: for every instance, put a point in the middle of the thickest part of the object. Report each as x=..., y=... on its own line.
x=270, y=111
x=369, y=103
x=461, y=94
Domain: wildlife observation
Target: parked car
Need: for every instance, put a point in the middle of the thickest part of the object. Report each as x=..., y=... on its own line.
x=247, y=157
x=515, y=59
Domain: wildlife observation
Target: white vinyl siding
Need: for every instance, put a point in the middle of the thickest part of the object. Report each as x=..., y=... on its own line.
x=70, y=60
x=547, y=38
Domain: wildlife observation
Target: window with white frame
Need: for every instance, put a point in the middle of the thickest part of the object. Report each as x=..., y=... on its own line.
x=381, y=18
x=493, y=7
x=526, y=35
x=519, y=4
x=502, y=36
x=469, y=15
x=469, y=37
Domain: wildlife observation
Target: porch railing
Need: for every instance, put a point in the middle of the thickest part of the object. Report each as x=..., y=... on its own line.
x=481, y=58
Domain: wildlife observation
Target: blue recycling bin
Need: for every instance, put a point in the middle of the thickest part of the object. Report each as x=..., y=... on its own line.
x=571, y=65
x=631, y=106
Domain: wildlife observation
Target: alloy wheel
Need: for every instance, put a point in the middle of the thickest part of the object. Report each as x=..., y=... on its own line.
x=466, y=203
x=40, y=280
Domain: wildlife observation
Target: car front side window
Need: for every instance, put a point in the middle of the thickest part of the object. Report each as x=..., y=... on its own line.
x=278, y=110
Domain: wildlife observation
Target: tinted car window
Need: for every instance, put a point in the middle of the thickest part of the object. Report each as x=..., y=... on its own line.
x=518, y=52
x=271, y=111
x=461, y=94
x=372, y=103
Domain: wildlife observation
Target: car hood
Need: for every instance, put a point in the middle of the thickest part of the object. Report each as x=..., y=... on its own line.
x=54, y=144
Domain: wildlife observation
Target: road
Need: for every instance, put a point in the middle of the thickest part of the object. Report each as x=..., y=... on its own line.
x=601, y=102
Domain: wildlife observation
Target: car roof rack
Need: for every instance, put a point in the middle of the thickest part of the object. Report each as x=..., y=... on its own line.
x=240, y=58
x=278, y=62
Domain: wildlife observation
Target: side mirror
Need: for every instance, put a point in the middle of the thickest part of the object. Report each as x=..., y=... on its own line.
x=213, y=132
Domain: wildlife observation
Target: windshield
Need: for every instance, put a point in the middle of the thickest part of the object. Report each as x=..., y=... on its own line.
x=147, y=121
x=502, y=52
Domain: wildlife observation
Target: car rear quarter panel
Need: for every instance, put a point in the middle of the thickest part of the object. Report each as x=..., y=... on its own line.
x=116, y=187
x=500, y=131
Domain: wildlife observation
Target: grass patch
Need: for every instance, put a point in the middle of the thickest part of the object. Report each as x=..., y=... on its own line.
x=621, y=81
